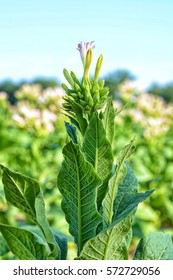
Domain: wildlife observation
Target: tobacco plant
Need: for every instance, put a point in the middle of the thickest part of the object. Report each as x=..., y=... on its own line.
x=99, y=193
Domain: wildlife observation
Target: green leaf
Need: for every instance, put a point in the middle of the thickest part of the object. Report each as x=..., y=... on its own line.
x=110, y=244
x=128, y=185
x=98, y=152
x=114, y=182
x=78, y=183
x=129, y=204
x=78, y=110
x=24, y=244
x=42, y=222
x=25, y=193
x=109, y=120
x=20, y=191
x=155, y=246
x=73, y=121
x=71, y=130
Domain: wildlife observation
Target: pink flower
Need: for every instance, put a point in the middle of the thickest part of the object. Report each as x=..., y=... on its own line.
x=83, y=47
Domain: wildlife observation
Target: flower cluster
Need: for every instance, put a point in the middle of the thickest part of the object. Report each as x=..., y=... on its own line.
x=38, y=110
x=149, y=111
x=86, y=96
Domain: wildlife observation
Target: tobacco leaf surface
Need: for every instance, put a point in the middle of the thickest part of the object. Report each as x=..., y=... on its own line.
x=114, y=182
x=109, y=120
x=98, y=152
x=24, y=244
x=78, y=183
x=25, y=193
x=110, y=244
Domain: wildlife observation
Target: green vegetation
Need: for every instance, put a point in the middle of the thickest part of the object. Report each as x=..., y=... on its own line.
x=118, y=179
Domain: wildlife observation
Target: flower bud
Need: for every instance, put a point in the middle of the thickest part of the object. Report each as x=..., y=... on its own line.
x=101, y=83
x=65, y=87
x=75, y=79
x=77, y=87
x=87, y=64
x=97, y=69
x=68, y=77
x=83, y=47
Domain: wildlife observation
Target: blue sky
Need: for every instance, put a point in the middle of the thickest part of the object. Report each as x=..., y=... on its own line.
x=39, y=37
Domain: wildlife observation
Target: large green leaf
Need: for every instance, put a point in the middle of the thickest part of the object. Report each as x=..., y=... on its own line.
x=41, y=220
x=110, y=244
x=78, y=184
x=109, y=120
x=129, y=204
x=114, y=182
x=128, y=185
x=24, y=244
x=127, y=198
x=25, y=193
x=20, y=191
x=155, y=246
x=98, y=152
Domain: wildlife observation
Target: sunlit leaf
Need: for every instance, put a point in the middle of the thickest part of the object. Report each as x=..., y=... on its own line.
x=98, y=152
x=110, y=244
x=78, y=183
x=24, y=244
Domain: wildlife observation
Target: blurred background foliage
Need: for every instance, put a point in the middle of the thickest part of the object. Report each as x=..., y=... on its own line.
x=32, y=136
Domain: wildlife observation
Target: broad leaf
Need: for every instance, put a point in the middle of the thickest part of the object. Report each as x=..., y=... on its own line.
x=127, y=198
x=24, y=244
x=129, y=204
x=114, y=182
x=109, y=120
x=128, y=185
x=42, y=222
x=20, y=191
x=98, y=152
x=25, y=193
x=78, y=184
x=155, y=246
x=110, y=244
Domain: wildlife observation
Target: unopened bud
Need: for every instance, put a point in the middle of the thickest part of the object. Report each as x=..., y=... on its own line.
x=98, y=67
x=77, y=87
x=87, y=63
x=102, y=83
x=65, y=87
x=75, y=79
x=68, y=77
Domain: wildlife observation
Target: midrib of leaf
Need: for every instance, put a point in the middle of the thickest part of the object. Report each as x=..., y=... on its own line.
x=107, y=246
x=112, y=189
x=97, y=150
x=79, y=205
x=96, y=154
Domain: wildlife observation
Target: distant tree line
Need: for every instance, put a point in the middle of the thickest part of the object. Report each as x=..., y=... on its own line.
x=165, y=91
x=112, y=80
